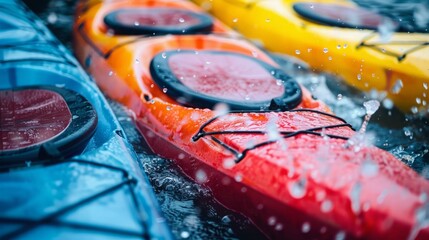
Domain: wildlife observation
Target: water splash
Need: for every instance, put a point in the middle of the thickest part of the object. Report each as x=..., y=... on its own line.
x=361, y=138
x=386, y=30
x=421, y=15
x=221, y=109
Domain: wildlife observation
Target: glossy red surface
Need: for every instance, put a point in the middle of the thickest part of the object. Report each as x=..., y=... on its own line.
x=30, y=117
x=225, y=76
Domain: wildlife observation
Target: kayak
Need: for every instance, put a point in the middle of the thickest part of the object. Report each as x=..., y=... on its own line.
x=233, y=121
x=66, y=168
x=369, y=50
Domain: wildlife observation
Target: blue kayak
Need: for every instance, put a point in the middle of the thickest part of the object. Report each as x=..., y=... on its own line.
x=66, y=169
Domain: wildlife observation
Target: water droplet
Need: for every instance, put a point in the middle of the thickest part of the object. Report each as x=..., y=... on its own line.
x=311, y=6
x=278, y=227
x=330, y=58
x=418, y=100
x=164, y=90
x=228, y=163
x=226, y=219
x=136, y=23
x=267, y=20
x=195, y=116
x=324, y=135
x=397, y=86
x=52, y=18
x=371, y=106
x=345, y=46
x=339, y=96
x=340, y=236
x=181, y=156
x=238, y=177
x=110, y=73
x=425, y=86
x=298, y=189
x=359, y=77
x=184, y=234
x=168, y=108
x=369, y=168
x=181, y=20
x=221, y=109
x=58, y=183
x=414, y=110
x=326, y=206
x=272, y=221
x=235, y=20
x=339, y=46
x=201, y=176
x=164, y=55
x=306, y=227
x=388, y=103
x=325, y=50
x=297, y=52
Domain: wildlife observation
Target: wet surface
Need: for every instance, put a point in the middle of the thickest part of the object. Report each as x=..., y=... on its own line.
x=190, y=208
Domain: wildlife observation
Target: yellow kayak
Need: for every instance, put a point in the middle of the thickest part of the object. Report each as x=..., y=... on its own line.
x=368, y=50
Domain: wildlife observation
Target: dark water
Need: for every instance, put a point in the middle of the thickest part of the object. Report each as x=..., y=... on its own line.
x=412, y=15
x=189, y=207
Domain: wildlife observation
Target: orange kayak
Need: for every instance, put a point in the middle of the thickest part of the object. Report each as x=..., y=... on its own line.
x=235, y=122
